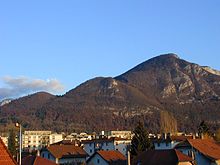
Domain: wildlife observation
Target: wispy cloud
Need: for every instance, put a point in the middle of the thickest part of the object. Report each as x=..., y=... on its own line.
x=19, y=86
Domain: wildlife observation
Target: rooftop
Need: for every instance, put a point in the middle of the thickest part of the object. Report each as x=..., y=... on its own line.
x=36, y=160
x=5, y=157
x=207, y=147
x=161, y=157
x=112, y=157
x=60, y=151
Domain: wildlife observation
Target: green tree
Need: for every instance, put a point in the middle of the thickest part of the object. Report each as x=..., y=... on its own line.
x=140, y=141
x=12, y=143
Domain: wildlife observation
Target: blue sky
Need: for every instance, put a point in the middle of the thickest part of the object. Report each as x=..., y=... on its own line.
x=55, y=45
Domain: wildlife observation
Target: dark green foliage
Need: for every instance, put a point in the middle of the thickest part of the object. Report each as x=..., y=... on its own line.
x=140, y=141
x=12, y=143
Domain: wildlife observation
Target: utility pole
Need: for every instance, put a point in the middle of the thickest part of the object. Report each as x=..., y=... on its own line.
x=20, y=141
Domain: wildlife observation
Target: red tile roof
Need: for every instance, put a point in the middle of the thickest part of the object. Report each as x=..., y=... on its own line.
x=67, y=142
x=161, y=157
x=5, y=156
x=59, y=151
x=36, y=160
x=111, y=156
x=180, y=138
x=182, y=157
x=207, y=147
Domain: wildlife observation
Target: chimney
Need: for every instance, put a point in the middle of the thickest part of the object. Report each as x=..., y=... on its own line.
x=164, y=136
x=38, y=152
x=202, y=136
x=194, y=136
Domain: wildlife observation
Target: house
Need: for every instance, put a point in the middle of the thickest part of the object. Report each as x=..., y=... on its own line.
x=162, y=144
x=121, y=145
x=107, y=158
x=107, y=144
x=168, y=142
x=204, y=151
x=36, y=160
x=162, y=157
x=91, y=146
x=64, y=154
x=5, y=157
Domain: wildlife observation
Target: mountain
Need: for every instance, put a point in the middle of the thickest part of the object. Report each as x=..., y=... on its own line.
x=164, y=83
x=5, y=101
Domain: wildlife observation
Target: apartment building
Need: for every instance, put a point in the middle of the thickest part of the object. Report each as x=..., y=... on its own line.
x=35, y=140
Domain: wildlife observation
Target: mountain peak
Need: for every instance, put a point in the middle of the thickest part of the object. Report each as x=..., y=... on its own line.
x=168, y=55
x=164, y=57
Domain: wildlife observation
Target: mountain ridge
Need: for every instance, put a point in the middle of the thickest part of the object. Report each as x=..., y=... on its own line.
x=166, y=82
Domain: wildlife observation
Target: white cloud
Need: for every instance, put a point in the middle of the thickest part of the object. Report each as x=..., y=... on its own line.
x=20, y=86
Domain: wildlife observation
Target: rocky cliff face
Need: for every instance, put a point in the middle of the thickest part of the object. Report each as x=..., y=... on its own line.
x=166, y=82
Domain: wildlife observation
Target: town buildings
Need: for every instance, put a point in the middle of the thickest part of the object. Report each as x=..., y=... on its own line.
x=106, y=144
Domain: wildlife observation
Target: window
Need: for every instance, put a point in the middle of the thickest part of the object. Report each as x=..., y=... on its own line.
x=98, y=161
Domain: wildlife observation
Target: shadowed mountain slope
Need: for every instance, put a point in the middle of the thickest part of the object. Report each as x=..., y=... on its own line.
x=189, y=91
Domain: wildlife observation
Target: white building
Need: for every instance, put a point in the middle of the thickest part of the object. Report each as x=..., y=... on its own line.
x=164, y=143
x=35, y=140
x=91, y=146
x=121, y=134
x=119, y=144
x=80, y=137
